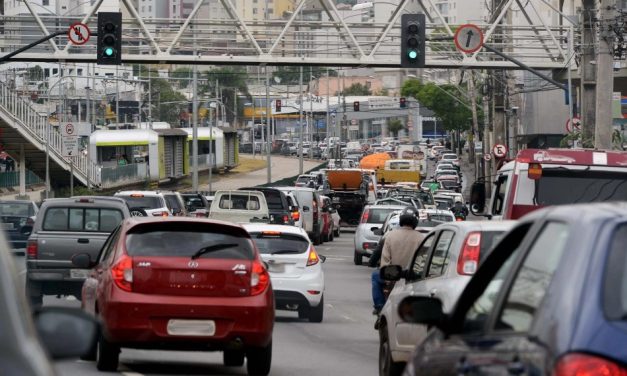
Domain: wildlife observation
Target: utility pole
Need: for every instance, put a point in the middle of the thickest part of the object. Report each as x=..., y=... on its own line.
x=475, y=119
x=328, y=117
x=605, y=76
x=588, y=73
x=300, y=122
x=195, y=131
x=268, y=126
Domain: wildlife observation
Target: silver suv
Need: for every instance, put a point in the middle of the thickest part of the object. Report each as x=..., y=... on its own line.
x=65, y=227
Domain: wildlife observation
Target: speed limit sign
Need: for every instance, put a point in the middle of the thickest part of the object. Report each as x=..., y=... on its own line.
x=499, y=151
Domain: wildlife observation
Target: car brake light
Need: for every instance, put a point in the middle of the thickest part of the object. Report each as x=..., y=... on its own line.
x=296, y=216
x=31, y=249
x=469, y=259
x=313, y=258
x=137, y=195
x=587, y=365
x=122, y=273
x=161, y=214
x=259, y=279
x=364, y=217
x=286, y=218
x=200, y=215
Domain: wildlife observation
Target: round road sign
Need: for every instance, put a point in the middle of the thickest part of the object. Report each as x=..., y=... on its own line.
x=576, y=124
x=468, y=38
x=69, y=129
x=487, y=157
x=78, y=33
x=499, y=151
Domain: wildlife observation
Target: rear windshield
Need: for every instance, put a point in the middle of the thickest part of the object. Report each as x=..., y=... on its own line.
x=186, y=239
x=239, y=202
x=449, y=156
x=274, y=200
x=615, y=285
x=378, y=215
x=81, y=219
x=280, y=243
x=194, y=202
x=488, y=241
x=143, y=202
x=16, y=209
x=173, y=202
x=440, y=218
x=449, y=183
x=558, y=187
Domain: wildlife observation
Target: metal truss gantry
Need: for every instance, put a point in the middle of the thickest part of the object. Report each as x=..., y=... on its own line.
x=328, y=38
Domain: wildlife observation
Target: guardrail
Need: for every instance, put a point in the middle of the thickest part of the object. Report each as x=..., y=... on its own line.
x=116, y=176
x=10, y=179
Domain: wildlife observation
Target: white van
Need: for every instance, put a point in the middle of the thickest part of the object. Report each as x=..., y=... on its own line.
x=240, y=207
x=311, y=205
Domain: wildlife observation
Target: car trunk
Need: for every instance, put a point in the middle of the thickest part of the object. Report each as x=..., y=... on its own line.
x=55, y=249
x=285, y=253
x=182, y=276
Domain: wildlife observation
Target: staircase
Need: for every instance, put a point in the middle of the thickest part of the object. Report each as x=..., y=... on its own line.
x=20, y=123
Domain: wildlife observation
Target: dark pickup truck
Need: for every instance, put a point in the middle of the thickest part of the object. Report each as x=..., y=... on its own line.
x=278, y=206
x=16, y=217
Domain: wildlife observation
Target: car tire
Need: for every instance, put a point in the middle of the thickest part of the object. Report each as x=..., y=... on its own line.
x=357, y=258
x=234, y=358
x=259, y=360
x=317, y=240
x=90, y=356
x=387, y=366
x=107, y=355
x=331, y=235
x=316, y=314
x=34, y=294
x=337, y=233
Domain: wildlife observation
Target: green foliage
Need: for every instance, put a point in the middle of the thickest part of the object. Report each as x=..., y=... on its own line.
x=357, y=89
x=231, y=81
x=35, y=74
x=451, y=114
x=161, y=95
x=183, y=76
x=395, y=126
x=383, y=92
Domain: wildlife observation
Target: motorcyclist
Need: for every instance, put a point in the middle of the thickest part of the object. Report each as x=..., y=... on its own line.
x=398, y=248
x=459, y=209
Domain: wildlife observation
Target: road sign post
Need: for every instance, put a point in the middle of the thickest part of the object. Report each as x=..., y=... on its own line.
x=468, y=38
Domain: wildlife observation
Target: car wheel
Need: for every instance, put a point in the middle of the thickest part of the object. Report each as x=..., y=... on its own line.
x=331, y=235
x=34, y=294
x=337, y=232
x=259, y=360
x=357, y=258
x=317, y=313
x=387, y=366
x=107, y=355
x=233, y=358
x=317, y=240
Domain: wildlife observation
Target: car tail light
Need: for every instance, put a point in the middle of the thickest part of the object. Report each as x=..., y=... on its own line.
x=296, y=216
x=587, y=365
x=365, y=215
x=122, y=273
x=286, y=218
x=161, y=214
x=313, y=258
x=200, y=215
x=31, y=249
x=260, y=279
x=469, y=258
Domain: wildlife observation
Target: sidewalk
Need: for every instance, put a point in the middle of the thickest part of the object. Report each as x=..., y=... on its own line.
x=282, y=167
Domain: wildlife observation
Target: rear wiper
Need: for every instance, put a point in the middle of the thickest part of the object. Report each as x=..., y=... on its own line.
x=211, y=248
x=284, y=251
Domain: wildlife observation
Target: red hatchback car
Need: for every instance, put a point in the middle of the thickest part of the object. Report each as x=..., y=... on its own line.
x=181, y=284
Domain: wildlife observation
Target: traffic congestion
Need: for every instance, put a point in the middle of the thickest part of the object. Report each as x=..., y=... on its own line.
x=192, y=272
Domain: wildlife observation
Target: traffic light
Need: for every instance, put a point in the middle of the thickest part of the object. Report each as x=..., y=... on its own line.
x=413, y=40
x=356, y=106
x=109, y=38
x=403, y=102
x=277, y=105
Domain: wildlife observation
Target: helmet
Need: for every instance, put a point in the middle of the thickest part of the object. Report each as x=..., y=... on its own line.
x=408, y=217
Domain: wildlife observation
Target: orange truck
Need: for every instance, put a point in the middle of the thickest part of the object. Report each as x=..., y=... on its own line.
x=349, y=190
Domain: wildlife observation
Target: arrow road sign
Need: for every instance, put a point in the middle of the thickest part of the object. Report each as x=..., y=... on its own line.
x=468, y=38
x=78, y=33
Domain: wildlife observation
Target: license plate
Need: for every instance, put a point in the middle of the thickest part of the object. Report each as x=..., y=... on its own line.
x=7, y=226
x=79, y=273
x=276, y=268
x=199, y=328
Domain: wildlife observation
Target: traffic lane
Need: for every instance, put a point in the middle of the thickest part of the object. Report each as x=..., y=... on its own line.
x=345, y=342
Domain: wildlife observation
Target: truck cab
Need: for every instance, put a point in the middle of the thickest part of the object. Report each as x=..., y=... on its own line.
x=537, y=178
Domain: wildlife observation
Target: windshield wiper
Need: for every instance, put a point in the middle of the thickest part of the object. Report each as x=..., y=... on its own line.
x=284, y=251
x=211, y=248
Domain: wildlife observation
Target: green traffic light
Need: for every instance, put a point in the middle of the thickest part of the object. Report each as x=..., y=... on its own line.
x=412, y=54
x=108, y=51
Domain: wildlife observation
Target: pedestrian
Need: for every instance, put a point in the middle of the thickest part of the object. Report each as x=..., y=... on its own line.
x=398, y=248
x=10, y=164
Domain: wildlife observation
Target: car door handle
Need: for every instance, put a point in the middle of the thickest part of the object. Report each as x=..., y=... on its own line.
x=83, y=240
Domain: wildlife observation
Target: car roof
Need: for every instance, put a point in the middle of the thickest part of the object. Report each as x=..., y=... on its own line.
x=259, y=227
x=134, y=221
x=305, y=189
x=17, y=201
x=86, y=200
x=392, y=207
x=145, y=193
x=572, y=213
x=468, y=226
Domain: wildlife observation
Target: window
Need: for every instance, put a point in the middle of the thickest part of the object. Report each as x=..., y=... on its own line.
x=82, y=219
x=239, y=202
x=109, y=246
x=420, y=258
x=143, y=202
x=280, y=244
x=440, y=257
x=254, y=10
x=615, y=285
x=499, y=199
x=533, y=278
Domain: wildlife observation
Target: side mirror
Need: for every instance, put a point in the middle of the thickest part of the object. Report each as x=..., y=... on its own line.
x=322, y=258
x=65, y=332
x=422, y=310
x=391, y=272
x=82, y=260
x=305, y=208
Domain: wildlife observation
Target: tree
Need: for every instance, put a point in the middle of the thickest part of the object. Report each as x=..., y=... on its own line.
x=357, y=89
x=231, y=81
x=166, y=101
x=183, y=76
x=395, y=126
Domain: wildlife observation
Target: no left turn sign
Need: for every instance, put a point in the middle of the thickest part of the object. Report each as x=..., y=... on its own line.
x=78, y=33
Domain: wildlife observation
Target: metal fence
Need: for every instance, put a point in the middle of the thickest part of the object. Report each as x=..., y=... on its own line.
x=12, y=179
x=122, y=175
x=203, y=161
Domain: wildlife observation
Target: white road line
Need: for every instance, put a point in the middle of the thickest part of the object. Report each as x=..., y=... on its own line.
x=348, y=318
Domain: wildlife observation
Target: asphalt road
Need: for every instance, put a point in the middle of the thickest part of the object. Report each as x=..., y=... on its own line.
x=344, y=343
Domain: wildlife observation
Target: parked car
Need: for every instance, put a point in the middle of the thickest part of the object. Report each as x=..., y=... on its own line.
x=152, y=203
x=546, y=301
x=335, y=217
x=16, y=217
x=151, y=272
x=32, y=342
x=63, y=228
x=310, y=203
x=460, y=245
x=240, y=207
x=366, y=234
x=278, y=205
x=295, y=268
x=196, y=204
